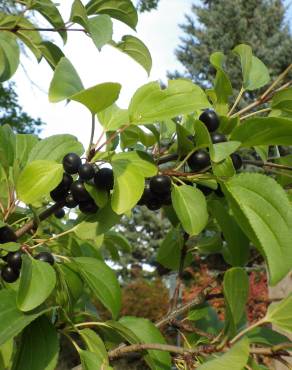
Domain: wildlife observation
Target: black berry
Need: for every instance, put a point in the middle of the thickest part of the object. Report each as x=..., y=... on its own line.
x=70, y=202
x=79, y=192
x=60, y=213
x=60, y=192
x=147, y=194
x=104, y=179
x=86, y=171
x=9, y=275
x=216, y=138
x=199, y=160
x=166, y=199
x=205, y=189
x=236, y=160
x=160, y=184
x=88, y=207
x=210, y=119
x=45, y=257
x=154, y=204
x=71, y=163
x=7, y=235
x=14, y=260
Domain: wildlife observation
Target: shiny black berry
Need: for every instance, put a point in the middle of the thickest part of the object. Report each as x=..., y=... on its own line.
x=9, y=275
x=71, y=163
x=236, y=160
x=7, y=235
x=147, y=194
x=14, y=260
x=60, y=192
x=199, y=160
x=104, y=179
x=79, y=192
x=216, y=138
x=45, y=257
x=60, y=213
x=70, y=202
x=210, y=119
x=160, y=184
x=204, y=189
x=88, y=207
x=86, y=171
x=166, y=199
x=154, y=203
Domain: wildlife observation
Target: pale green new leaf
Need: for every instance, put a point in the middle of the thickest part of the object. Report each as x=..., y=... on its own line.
x=150, y=103
x=262, y=209
x=101, y=30
x=221, y=151
x=37, y=281
x=169, y=251
x=37, y=180
x=79, y=14
x=9, y=55
x=236, y=358
x=102, y=282
x=52, y=53
x=136, y=49
x=190, y=206
x=113, y=117
x=280, y=314
x=91, y=361
x=94, y=344
x=283, y=100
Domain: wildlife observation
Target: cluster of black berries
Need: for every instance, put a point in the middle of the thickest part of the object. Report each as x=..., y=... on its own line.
x=201, y=158
x=13, y=260
x=157, y=193
x=73, y=192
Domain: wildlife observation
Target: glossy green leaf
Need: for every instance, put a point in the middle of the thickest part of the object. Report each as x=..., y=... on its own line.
x=70, y=283
x=169, y=251
x=37, y=281
x=147, y=332
x=265, y=216
x=39, y=347
x=236, y=358
x=283, y=100
x=98, y=97
x=37, y=180
x=237, y=244
x=221, y=151
x=51, y=52
x=280, y=314
x=113, y=117
x=101, y=30
x=9, y=55
x=224, y=169
x=236, y=289
x=136, y=49
x=150, y=103
x=55, y=147
x=7, y=146
x=65, y=82
x=24, y=145
x=190, y=206
x=12, y=320
x=264, y=131
x=79, y=14
x=94, y=344
x=102, y=281
x=91, y=361
x=202, y=136
x=122, y=10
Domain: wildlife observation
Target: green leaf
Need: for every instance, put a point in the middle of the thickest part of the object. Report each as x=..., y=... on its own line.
x=150, y=103
x=23, y=147
x=65, y=82
x=118, y=240
x=94, y=344
x=104, y=219
x=10, y=247
x=79, y=14
x=91, y=361
x=122, y=10
x=37, y=180
x=264, y=131
x=101, y=30
x=283, y=100
x=237, y=248
x=255, y=73
x=55, y=147
x=236, y=358
x=39, y=347
x=221, y=151
x=283, y=177
x=98, y=97
x=147, y=332
x=70, y=283
x=169, y=251
x=9, y=55
x=224, y=168
x=136, y=49
x=6, y=353
x=37, y=281
x=102, y=281
x=51, y=13
x=235, y=288
x=266, y=336
x=265, y=216
x=190, y=206
x=202, y=135
x=280, y=314
x=99, y=196
x=7, y=147
x=12, y=320
x=113, y=117
x=222, y=84
x=52, y=53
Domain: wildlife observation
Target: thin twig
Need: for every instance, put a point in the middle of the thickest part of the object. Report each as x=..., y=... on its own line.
x=275, y=83
x=89, y=150
x=267, y=164
x=112, y=137
x=255, y=113
x=36, y=29
x=237, y=100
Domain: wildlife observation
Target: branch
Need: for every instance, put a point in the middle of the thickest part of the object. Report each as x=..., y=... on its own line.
x=36, y=29
x=32, y=224
x=267, y=164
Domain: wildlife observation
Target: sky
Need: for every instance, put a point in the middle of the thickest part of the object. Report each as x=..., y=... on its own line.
x=159, y=30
